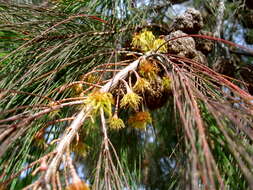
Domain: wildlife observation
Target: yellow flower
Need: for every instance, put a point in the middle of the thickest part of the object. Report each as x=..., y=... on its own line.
x=141, y=85
x=147, y=69
x=161, y=44
x=131, y=99
x=116, y=123
x=140, y=120
x=146, y=41
x=136, y=42
x=98, y=100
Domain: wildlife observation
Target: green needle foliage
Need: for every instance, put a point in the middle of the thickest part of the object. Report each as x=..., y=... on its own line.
x=66, y=73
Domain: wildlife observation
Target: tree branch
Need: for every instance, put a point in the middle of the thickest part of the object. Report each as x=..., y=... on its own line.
x=72, y=130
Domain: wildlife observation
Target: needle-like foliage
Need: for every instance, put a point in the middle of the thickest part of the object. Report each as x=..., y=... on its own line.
x=73, y=71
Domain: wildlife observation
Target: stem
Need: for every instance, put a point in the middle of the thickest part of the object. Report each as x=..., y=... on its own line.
x=104, y=130
x=116, y=106
x=65, y=141
x=72, y=170
x=122, y=74
x=127, y=86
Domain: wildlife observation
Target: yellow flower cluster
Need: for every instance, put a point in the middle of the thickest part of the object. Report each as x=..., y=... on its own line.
x=116, y=123
x=141, y=85
x=140, y=120
x=148, y=69
x=146, y=41
x=98, y=100
x=131, y=99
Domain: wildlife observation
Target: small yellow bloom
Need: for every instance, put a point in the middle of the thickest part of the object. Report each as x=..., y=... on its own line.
x=98, y=100
x=140, y=120
x=146, y=41
x=141, y=85
x=116, y=123
x=131, y=99
x=147, y=69
x=136, y=43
